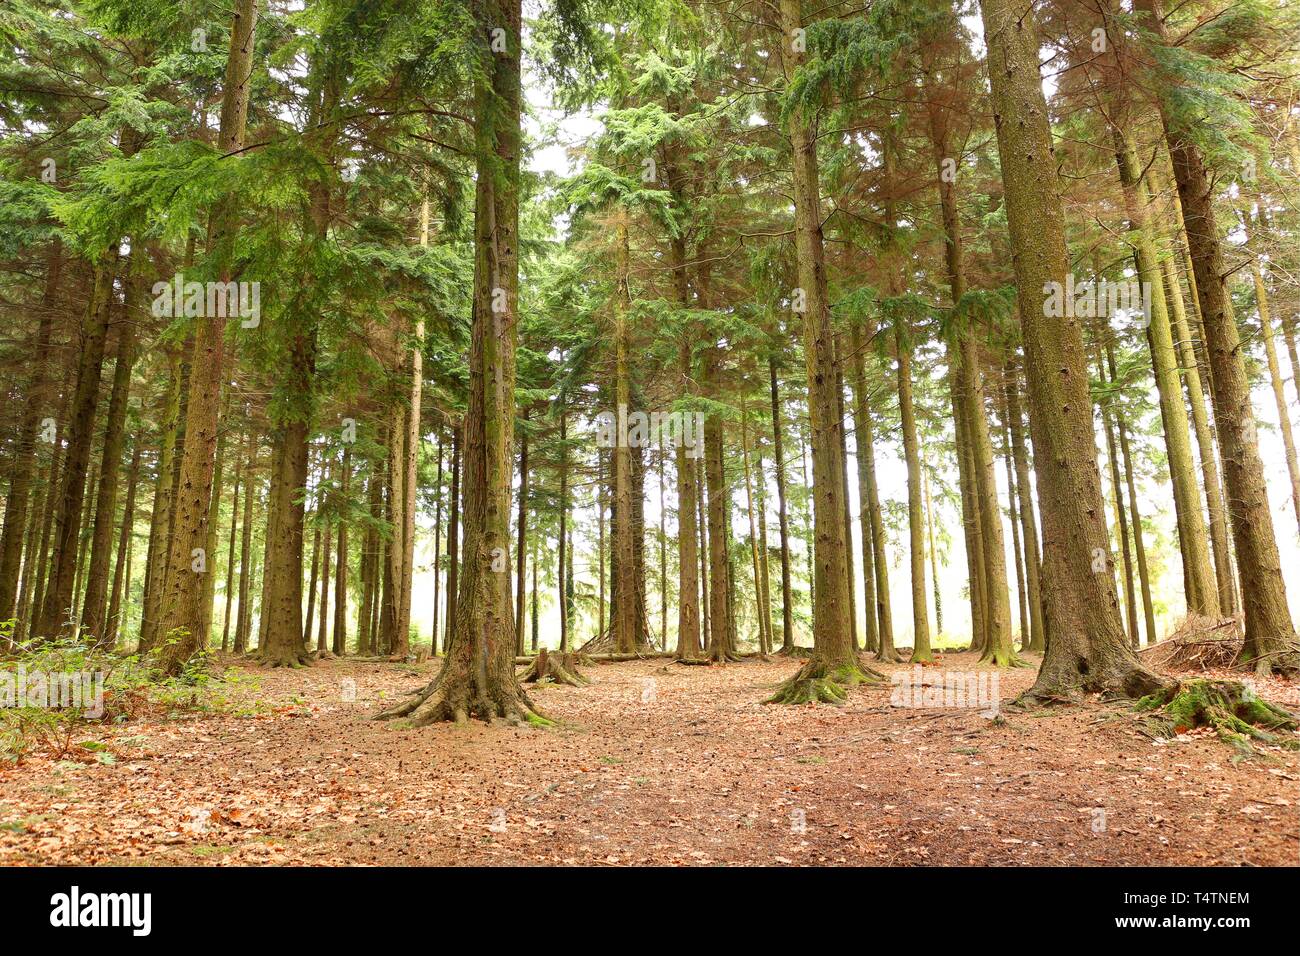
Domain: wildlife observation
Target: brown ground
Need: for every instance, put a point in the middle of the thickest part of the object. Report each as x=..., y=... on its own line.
x=654, y=763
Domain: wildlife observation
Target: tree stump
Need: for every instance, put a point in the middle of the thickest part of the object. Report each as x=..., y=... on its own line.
x=555, y=668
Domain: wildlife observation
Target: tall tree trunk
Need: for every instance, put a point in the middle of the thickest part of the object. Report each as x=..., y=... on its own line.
x=230, y=549
x=996, y=592
x=783, y=519
x=921, y=652
x=181, y=605
x=663, y=553
x=1088, y=650
x=53, y=618
x=719, y=649
x=1121, y=518
x=764, y=620
x=834, y=661
x=521, y=542
x=95, y=607
x=37, y=401
x=244, y=621
x=1203, y=594
x=1270, y=641
x=1209, y=458
x=1029, y=524
x=702, y=522
x=1017, y=551
x=873, y=520
x=453, y=532
x=623, y=594
x=478, y=676
x=210, y=547
x=437, y=552
x=851, y=585
x=156, y=555
x=340, y=634
x=565, y=556
x=121, y=568
x=934, y=558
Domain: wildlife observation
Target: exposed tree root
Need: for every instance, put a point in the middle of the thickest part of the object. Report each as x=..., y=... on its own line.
x=795, y=650
x=1007, y=658
x=548, y=668
x=284, y=657
x=819, y=681
x=1230, y=708
x=456, y=696
x=1283, y=663
x=1067, y=680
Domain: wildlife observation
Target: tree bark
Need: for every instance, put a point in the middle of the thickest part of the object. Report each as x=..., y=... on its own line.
x=181, y=605
x=783, y=519
x=1088, y=650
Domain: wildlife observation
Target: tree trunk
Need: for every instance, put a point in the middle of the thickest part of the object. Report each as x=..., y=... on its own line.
x=437, y=552
x=1270, y=640
x=565, y=558
x=340, y=636
x=921, y=652
x=181, y=605
x=834, y=662
x=121, y=568
x=478, y=676
x=20, y=483
x=453, y=532
x=764, y=638
x=1203, y=595
x=1029, y=524
x=783, y=520
x=1088, y=651
x=56, y=605
x=156, y=555
x=244, y=622
x=873, y=519
x=719, y=649
x=521, y=566
x=94, y=617
x=1204, y=440
x=230, y=550
x=1121, y=518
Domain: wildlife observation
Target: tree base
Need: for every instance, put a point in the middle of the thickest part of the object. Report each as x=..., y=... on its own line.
x=284, y=657
x=1008, y=658
x=550, y=668
x=794, y=650
x=456, y=695
x=1063, y=679
x=818, y=681
x=1284, y=663
x=1228, y=707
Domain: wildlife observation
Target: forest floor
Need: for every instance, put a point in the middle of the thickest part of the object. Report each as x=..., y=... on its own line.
x=654, y=763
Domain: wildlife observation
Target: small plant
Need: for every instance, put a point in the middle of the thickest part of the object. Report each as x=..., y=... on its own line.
x=50, y=690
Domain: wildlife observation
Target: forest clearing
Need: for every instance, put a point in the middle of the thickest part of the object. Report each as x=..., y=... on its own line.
x=705, y=775
x=648, y=433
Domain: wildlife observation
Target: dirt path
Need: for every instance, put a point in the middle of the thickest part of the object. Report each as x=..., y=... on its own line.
x=654, y=763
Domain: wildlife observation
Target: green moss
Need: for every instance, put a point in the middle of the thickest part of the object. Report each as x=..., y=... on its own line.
x=537, y=720
x=1235, y=714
